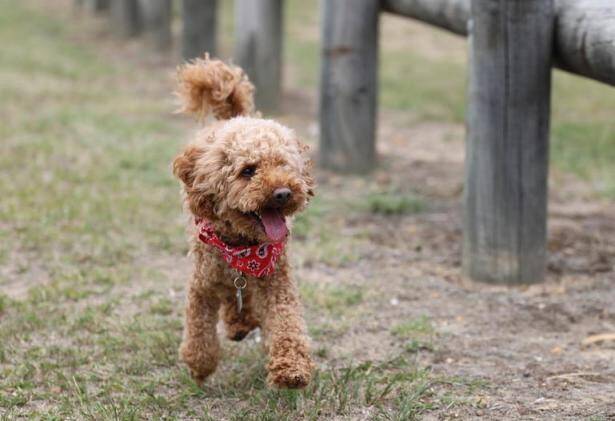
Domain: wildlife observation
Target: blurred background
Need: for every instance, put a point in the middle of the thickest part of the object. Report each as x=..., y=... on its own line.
x=93, y=251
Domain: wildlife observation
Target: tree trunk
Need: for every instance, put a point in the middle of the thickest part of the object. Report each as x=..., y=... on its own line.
x=507, y=143
x=349, y=84
x=199, y=28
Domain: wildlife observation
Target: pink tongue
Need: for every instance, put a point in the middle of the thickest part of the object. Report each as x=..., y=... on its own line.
x=275, y=225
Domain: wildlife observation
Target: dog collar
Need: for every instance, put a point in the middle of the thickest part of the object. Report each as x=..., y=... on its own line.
x=258, y=260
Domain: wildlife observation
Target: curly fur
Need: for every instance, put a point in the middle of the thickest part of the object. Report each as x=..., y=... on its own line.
x=210, y=86
x=210, y=171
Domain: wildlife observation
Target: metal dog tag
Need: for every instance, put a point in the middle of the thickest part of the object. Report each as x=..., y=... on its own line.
x=239, y=300
x=240, y=283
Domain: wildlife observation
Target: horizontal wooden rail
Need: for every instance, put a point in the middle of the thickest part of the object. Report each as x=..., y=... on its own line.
x=584, y=42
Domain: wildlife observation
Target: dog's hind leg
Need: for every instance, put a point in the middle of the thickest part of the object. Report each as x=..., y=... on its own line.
x=200, y=348
x=238, y=324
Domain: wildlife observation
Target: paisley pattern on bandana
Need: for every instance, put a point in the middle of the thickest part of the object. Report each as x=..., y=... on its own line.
x=255, y=261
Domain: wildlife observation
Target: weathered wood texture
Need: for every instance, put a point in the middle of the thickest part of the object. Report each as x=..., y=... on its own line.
x=584, y=30
x=157, y=16
x=585, y=38
x=199, y=28
x=451, y=15
x=507, y=142
x=126, y=20
x=349, y=84
x=258, y=48
x=97, y=6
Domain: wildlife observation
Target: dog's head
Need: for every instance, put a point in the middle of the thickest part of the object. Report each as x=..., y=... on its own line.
x=246, y=175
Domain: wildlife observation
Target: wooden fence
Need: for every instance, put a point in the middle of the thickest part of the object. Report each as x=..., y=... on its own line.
x=513, y=46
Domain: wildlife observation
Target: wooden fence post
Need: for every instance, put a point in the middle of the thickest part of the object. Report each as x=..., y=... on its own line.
x=97, y=6
x=126, y=18
x=157, y=22
x=199, y=28
x=349, y=84
x=258, y=48
x=507, y=141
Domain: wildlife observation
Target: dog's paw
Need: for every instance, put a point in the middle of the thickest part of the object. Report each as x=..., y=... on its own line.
x=198, y=378
x=201, y=362
x=199, y=375
x=289, y=379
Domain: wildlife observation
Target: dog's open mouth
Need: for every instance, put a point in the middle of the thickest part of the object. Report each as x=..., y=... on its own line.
x=273, y=222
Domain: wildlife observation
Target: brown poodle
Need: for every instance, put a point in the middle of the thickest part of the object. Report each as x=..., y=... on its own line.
x=243, y=178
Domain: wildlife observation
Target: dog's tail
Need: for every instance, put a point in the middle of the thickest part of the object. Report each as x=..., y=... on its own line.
x=211, y=86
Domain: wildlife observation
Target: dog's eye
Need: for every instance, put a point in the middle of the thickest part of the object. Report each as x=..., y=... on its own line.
x=249, y=171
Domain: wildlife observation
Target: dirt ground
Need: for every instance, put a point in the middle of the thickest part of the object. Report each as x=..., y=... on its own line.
x=520, y=351
x=526, y=343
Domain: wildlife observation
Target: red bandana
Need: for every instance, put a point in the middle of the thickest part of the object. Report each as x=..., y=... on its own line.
x=256, y=260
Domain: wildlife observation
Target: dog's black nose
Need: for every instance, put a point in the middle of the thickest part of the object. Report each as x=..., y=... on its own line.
x=281, y=196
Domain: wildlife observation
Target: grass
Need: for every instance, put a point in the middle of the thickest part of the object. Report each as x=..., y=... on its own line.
x=319, y=229
x=417, y=334
x=409, y=328
x=91, y=230
x=322, y=227
x=392, y=203
x=334, y=299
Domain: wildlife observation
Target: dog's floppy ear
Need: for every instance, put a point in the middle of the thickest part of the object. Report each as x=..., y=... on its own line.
x=184, y=164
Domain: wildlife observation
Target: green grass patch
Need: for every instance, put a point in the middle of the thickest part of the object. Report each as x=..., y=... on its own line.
x=417, y=334
x=336, y=299
x=410, y=328
x=330, y=328
x=4, y=301
x=318, y=233
x=393, y=203
x=588, y=150
x=583, y=130
x=311, y=219
x=379, y=387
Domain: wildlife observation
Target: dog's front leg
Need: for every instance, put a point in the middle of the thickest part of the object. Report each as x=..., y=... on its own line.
x=200, y=348
x=290, y=365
